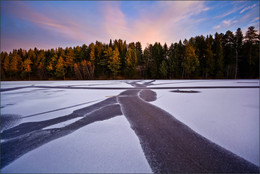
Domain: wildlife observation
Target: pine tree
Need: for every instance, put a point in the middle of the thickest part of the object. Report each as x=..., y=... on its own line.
x=171, y=61
x=27, y=67
x=60, y=68
x=52, y=65
x=209, y=58
x=179, y=49
x=69, y=61
x=83, y=52
x=85, y=69
x=224, y=56
x=60, y=52
x=139, y=53
x=164, y=69
x=77, y=53
x=14, y=63
x=229, y=53
x=92, y=59
x=114, y=63
x=77, y=71
x=39, y=57
x=251, y=39
x=157, y=57
x=41, y=70
x=32, y=56
x=238, y=47
x=6, y=64
x=252, y=50
x=190, y=61
x=131, y=62
x=219, y=59
x=148, y=61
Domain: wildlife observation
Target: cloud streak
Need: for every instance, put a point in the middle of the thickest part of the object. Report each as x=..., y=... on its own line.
x=248, y=8
x=71, y=24
x=66, y=28
x=158, y=22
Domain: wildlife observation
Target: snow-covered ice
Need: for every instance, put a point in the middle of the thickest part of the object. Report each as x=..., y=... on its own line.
x=102, y=147
x=63, y=124
x=197, y=83
x=29, y=101
x=228, y=117
x=77, y=83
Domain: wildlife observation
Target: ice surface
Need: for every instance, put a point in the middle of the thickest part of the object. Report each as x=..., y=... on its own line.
x=31, y=101
x=228, y=117
x=63, y=124
x=72, y=83
x=188, y=83
x=102, y=147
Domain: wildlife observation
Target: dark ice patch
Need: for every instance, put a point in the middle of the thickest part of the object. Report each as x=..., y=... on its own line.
x=10, y=104
x=185, y=91
x=148, y=95
x=9, y=120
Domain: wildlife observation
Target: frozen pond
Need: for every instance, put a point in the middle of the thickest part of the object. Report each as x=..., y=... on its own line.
x=225, y=112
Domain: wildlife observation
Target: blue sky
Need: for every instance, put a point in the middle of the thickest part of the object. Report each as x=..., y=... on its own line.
x=51, y=24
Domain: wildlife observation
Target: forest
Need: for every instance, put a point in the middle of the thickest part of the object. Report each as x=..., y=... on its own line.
x=222, y=56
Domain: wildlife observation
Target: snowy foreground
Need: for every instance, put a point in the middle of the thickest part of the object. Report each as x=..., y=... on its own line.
x=225, y=116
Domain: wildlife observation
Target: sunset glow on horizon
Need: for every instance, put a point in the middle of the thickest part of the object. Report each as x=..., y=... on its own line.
x=52, y=24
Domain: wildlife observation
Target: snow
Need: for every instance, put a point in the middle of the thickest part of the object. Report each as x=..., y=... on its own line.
x=102, y=147
x=63, y=124
x=72, y=83
x=196, y=83
x=227, y=117
x=29, y=101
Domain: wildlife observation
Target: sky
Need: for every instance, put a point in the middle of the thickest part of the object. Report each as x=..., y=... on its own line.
x=52, y=24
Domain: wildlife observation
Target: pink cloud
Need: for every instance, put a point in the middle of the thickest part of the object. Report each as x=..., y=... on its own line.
x=163, y=21
x=160, y=22
x=115, y=23
x=65, y=28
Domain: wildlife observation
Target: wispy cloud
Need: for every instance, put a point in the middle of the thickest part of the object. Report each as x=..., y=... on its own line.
x=65, y=28
x=234, y=10
x=248, y=8
x=147, y=22
x=159, y=22
x=229, y=23
x=217, y=27
x=255, y=19
x=115, y=23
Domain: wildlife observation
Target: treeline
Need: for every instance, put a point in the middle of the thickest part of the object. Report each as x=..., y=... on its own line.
x=229, y=55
